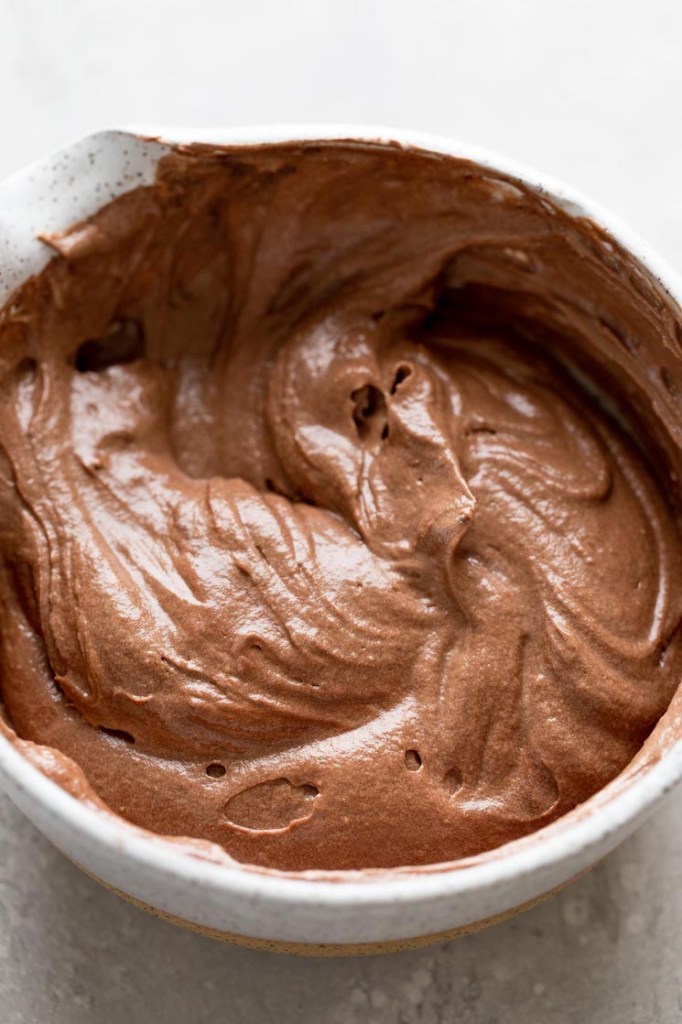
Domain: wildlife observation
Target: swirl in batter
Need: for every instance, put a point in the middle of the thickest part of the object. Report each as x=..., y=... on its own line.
x=332, y=530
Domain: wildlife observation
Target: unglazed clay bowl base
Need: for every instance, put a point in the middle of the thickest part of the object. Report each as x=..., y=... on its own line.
x=348, y=913
x=334, y=949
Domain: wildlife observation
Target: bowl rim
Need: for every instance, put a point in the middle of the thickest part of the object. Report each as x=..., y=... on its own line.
x=542, y=851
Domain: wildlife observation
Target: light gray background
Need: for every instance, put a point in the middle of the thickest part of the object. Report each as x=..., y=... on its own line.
x=589, y=91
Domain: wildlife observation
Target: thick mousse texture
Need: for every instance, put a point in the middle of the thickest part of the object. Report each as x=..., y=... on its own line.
x=338, y=498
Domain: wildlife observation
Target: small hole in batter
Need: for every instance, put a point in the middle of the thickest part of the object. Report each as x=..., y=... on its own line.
x=413, y=761
x=401, y=374
x=118, y=734
x=216, y=770
x=123, y=343
x=486, y=431
x=26, y=367
x=370, y=413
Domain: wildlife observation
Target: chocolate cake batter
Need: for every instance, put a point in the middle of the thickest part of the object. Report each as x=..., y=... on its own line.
x=338, y=506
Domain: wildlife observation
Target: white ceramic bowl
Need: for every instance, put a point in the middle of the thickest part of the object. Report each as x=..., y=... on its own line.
x=352, y=913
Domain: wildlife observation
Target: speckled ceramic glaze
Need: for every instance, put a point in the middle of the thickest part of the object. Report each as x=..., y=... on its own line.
x=352, y=912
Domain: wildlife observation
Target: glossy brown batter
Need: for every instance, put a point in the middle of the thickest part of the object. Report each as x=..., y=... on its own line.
x=324, y=533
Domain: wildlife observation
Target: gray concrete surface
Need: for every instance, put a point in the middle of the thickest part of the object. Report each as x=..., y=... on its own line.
x=608, y=950
x=588, y=91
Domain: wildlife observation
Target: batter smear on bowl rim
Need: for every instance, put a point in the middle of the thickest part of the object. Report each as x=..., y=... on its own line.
x=338, y=517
